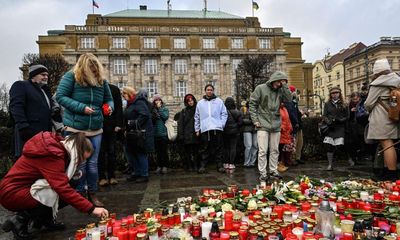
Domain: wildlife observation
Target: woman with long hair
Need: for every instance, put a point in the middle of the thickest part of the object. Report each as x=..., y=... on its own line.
x=38, y=184
x=335, y=116
x=137, y=116
x=381, y=128
x=84, y=93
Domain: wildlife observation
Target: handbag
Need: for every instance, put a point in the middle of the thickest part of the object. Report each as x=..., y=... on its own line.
x=172, y=129
x=323, y=128
x=135, y=137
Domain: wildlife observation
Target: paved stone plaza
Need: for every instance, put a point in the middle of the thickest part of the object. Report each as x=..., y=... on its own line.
x=127, y=198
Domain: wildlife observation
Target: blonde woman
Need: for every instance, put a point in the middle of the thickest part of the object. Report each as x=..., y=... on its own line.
x=82, y=92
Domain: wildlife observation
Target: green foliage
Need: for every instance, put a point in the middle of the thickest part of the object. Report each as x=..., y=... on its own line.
x=313, y=146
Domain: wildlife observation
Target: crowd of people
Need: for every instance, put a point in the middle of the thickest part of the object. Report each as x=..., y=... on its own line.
x=65, y=144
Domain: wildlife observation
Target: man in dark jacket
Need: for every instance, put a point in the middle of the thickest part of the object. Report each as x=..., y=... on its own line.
x=30, y=106
x=112, y=124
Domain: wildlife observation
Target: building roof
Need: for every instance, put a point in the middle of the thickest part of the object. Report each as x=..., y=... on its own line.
x=136, y=13
x=384, y=41
x=344, y=53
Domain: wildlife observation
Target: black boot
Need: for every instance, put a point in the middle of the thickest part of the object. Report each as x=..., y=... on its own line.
x=43, y=217
x=18, y=224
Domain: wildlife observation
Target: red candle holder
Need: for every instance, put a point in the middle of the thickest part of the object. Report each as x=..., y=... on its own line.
x=279, y=210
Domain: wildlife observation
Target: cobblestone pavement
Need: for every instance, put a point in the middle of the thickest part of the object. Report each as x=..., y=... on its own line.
x=126, y=198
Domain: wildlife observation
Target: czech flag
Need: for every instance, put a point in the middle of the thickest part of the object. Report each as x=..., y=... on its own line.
x=255, y=6
x=95, y=4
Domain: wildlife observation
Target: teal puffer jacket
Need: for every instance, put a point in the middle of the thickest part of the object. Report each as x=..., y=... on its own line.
x=159, y=117
x=74, y=98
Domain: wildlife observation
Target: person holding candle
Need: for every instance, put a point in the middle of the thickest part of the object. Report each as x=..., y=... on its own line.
x=39, y=182
x=82, y=93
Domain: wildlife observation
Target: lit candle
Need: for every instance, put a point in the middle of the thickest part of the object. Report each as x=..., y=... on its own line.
x=279, y=210
x=364, y=195
x=205, y=230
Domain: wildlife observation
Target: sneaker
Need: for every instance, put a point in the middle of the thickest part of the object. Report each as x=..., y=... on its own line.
x=158, y=170
x=231, y=166
x=282, y=168
x=103, y=182
x=276, y=175
x=329, y=168
x=226, y=165
x=164, y=170
x=202, y=170
x=113, y=181
x=263, y=178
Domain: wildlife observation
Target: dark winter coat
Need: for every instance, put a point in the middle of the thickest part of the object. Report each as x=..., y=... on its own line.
x=290, y=108
x=139, y=112
x=74, y=98
x=115, y=120
x=235, y=118
x=159, y=117
x=30, y=111
x=248, y=125
x=44, y=157
x=335, y=115
x=186, y=133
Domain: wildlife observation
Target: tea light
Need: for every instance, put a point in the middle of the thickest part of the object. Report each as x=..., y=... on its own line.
x=96, y=235
x=298, y=231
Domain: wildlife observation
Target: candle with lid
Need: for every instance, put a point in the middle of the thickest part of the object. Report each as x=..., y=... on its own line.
x=206, y=229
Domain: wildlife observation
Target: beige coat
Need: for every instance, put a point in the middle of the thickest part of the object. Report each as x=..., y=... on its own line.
x=380, y=127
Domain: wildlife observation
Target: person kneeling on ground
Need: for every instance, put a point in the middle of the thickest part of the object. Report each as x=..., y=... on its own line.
x=40, y=181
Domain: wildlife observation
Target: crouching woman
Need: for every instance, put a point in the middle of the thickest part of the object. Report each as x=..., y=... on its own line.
x=39, y=183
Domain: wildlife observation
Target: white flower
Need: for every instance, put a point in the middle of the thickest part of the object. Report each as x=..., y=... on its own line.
x=211, y=209
x=226, y=207
x=252, y=205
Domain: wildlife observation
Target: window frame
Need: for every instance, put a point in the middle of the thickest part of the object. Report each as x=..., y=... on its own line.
x=181, y=88
x=150, y=66
x=210, y=66
x=119, y=44
x=267, y=44
x=209, y=43
x=85, y=44
x=180, y=66
x=177, y=43
x=235, y=44
x=149, y=43
x=120, y=66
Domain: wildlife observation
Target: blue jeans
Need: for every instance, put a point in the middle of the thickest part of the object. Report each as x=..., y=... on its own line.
x=251, y=148
x=89, y=168
x=139, y=161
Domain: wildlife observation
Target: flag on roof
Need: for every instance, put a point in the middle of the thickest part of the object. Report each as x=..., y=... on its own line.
x=255, y=6
x=95, y=4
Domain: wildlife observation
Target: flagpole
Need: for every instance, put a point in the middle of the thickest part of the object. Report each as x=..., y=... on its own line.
x=92, y=7
x=252, y=8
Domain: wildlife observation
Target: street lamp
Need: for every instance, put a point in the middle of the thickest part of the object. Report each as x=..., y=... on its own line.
x=321, y=99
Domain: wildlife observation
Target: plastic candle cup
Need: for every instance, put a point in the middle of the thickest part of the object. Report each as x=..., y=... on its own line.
x=347, y=226
x=206, y=229
x=298, y=231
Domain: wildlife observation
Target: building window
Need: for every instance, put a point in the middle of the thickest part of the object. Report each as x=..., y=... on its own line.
x=329, y=78
x=265, y=43
x=180, y=43
x=150, y=66
x=209, y=43
x=351, y=73
x=87, y=42
x=358, y=86
x=120, y=66
x=390, y=63
x=210, y=65
x=152, y=88
x=150, y=42
x=235, y=64
x=181, y=88
x=237, y=43
x=337, y=75
x=358, y=72
x=180, y=66
x=119, y=42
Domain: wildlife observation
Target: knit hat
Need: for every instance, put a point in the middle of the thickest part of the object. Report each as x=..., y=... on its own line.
x=335, y=89
x=292, y=88
x=278, y=75
x=157, y=97
x=381, y=65
x=37, y=69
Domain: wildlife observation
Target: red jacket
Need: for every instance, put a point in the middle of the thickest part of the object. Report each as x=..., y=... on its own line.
x=43, y=157
x=286, y=127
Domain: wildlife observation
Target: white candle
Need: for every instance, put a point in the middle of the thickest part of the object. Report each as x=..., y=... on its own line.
x=206, y=229
x=96, y=235
x=364, y=195
x=204, y=211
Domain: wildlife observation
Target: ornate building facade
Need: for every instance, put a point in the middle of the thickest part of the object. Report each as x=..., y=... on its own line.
x=329, y=73
x=177, y=51
x=358, y=67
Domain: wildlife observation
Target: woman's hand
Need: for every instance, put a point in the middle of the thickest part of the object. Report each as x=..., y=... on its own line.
x=100, y=212
x=88, y=110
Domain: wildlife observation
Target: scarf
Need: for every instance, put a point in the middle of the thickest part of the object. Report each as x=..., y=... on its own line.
x=41, y=189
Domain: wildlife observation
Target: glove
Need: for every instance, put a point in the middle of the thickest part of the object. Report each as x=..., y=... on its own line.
x=26, y=134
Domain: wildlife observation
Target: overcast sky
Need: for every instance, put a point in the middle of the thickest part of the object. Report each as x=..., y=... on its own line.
x=322, y=24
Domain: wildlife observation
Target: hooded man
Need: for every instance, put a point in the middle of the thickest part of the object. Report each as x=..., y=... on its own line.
x=30, y=106
x=264, y=111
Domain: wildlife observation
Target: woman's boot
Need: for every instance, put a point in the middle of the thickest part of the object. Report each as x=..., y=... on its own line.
x=329, y=155
x=18, y=224
x=93, y=198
